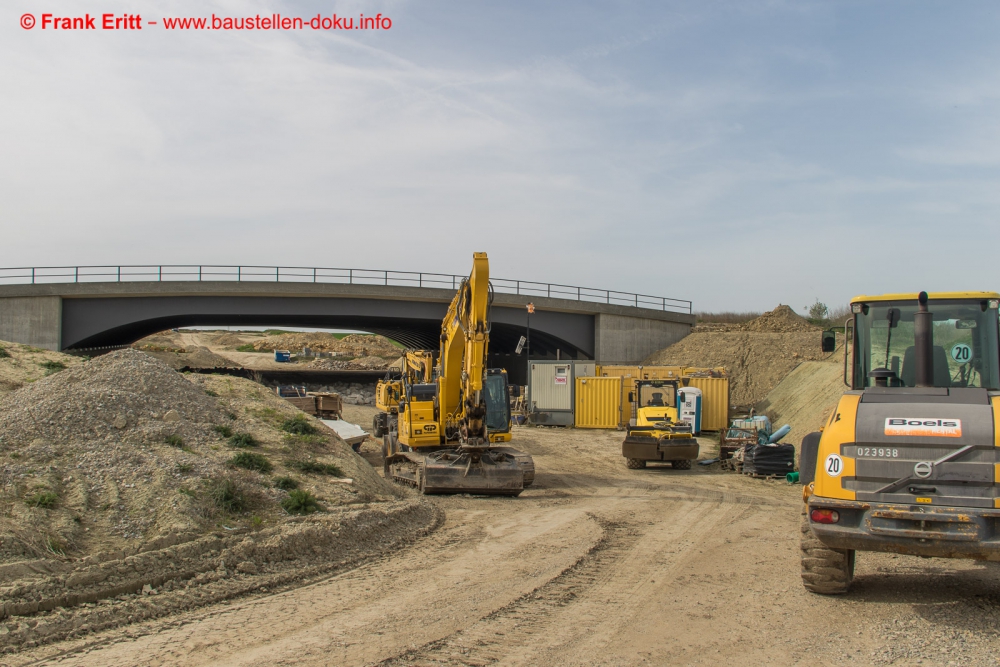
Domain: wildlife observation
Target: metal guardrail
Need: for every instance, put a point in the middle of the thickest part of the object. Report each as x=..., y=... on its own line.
x=181, y=272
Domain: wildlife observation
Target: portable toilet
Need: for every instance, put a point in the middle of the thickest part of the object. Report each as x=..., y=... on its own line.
x=689, y=407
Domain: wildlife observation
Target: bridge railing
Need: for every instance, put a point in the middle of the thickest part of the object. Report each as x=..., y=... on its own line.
x=285, y=274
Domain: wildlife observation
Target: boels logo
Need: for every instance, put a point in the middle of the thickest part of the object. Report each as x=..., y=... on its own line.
x=924, y=427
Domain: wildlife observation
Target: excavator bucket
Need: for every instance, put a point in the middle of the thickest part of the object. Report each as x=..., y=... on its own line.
x=489, y=473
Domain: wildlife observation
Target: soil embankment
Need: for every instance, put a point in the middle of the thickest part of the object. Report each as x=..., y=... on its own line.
x=120, y=475
x=757, y=354
x=24, y=364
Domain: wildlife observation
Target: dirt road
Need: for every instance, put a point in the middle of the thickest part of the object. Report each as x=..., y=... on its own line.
x=594, y=565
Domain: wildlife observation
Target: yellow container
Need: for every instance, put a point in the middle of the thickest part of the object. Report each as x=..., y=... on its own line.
x=715, y=390
x=714, y=401
x=598, y=402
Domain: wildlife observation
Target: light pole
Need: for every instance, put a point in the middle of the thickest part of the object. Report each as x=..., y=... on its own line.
x=527, y=357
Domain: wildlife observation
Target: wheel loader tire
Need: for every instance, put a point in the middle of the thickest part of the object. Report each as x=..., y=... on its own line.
x=680, y=465
x=824, y=570
x=635, y=464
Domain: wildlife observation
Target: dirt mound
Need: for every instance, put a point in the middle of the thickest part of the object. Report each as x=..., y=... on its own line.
x=363, y=363
x=24, y=364
x=757, y=354
x=756, y=362
x=780, y=320
x=354, y=345
x=122, y=451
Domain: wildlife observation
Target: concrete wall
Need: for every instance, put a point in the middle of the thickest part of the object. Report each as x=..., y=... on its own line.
x=620, y=339
x=33, y=321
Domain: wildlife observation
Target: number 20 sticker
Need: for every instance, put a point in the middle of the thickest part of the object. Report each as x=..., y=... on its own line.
x=834, y=465
x=961, y=353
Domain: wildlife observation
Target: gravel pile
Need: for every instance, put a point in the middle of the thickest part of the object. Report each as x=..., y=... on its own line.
x=122, y=451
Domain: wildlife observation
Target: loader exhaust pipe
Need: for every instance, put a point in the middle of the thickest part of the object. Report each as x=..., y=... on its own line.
x=923, y=343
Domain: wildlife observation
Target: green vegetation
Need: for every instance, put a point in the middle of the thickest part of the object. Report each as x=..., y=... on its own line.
x=298, y=425
x=209, y=392
x=52, y=366
x=300, y=502
x=223, y=430
x=285, y=483
x=44, y=499
x=227, y=495
x=4, y=354
x=256, y=522
x=251, y=461
x=186, y=491
x=248, y=347
x=174, y=440
x=54, y=546
x=315, y=467
x=243, y=440
x=183, y=468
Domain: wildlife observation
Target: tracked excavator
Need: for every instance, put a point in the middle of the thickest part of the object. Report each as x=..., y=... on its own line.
x=909, y=459
x=443, y=425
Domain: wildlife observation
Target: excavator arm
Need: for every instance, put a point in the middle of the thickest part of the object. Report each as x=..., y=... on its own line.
x=464, y=342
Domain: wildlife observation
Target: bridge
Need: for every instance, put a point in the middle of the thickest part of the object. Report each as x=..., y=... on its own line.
x=98, y=307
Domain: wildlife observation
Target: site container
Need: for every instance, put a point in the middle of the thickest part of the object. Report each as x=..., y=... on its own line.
x=714, y=401
x=598, y=402
x=550, y=392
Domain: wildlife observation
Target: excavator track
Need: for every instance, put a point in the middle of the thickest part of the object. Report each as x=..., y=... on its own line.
x=499, y=471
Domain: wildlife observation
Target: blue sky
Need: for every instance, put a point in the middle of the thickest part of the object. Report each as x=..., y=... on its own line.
x=738, y=154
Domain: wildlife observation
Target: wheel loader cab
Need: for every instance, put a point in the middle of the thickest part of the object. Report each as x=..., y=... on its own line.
x=418, y=415
x=909, y=459
x=964, y=351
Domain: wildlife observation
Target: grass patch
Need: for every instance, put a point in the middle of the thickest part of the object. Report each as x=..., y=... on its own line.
x=227, y=495
x=210, y=392
x=4, y=354
x=256, y=522
x=251, y=461
x=315, y=467
x=54, y=546
x=44, y=499
x=300, y=502
x=298, y=425
x=186, y=492
x=243, y=440
x=223, y=430
x=52, y=366
x=285, y=483
x=174, y=440
x=248, y=347
x=183, y=468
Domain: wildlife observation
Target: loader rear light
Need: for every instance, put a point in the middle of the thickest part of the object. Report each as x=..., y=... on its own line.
x=824, y=516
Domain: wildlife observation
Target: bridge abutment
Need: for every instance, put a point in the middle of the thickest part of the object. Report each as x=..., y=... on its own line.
x=621, y=339
x=32, y=320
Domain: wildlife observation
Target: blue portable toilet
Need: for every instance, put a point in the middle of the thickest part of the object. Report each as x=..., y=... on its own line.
x=689, y=407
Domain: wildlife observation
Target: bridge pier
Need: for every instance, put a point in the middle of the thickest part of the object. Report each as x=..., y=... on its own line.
x=32, y=320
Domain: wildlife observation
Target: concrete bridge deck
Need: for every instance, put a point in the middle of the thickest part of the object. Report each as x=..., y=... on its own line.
x=94, y=307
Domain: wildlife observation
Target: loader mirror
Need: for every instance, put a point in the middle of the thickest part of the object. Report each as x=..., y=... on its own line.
x=893, y=317
x=631, y=397
x=829, y=341
x=515, y=390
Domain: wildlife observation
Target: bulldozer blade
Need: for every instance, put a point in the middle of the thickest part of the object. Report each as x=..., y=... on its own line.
x=492, y=474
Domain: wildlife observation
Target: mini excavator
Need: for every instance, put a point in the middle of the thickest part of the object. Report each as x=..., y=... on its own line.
x=443, y=425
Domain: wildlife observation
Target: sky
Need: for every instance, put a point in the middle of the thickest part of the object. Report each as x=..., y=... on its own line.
x=736, y=154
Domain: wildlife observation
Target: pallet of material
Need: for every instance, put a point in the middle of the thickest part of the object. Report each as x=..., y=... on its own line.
x=328, y=404
x=306, y=404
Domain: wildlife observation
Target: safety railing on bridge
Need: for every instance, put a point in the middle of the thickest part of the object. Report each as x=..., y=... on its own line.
x=180, y=272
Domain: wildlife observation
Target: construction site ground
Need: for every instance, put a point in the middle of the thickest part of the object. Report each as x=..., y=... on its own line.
x=593, y=565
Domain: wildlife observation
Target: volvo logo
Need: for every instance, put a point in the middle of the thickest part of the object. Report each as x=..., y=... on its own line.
x=923, y=469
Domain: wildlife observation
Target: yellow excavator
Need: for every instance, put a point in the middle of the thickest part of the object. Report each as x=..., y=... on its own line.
x=441, y=424
x=909, y=460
